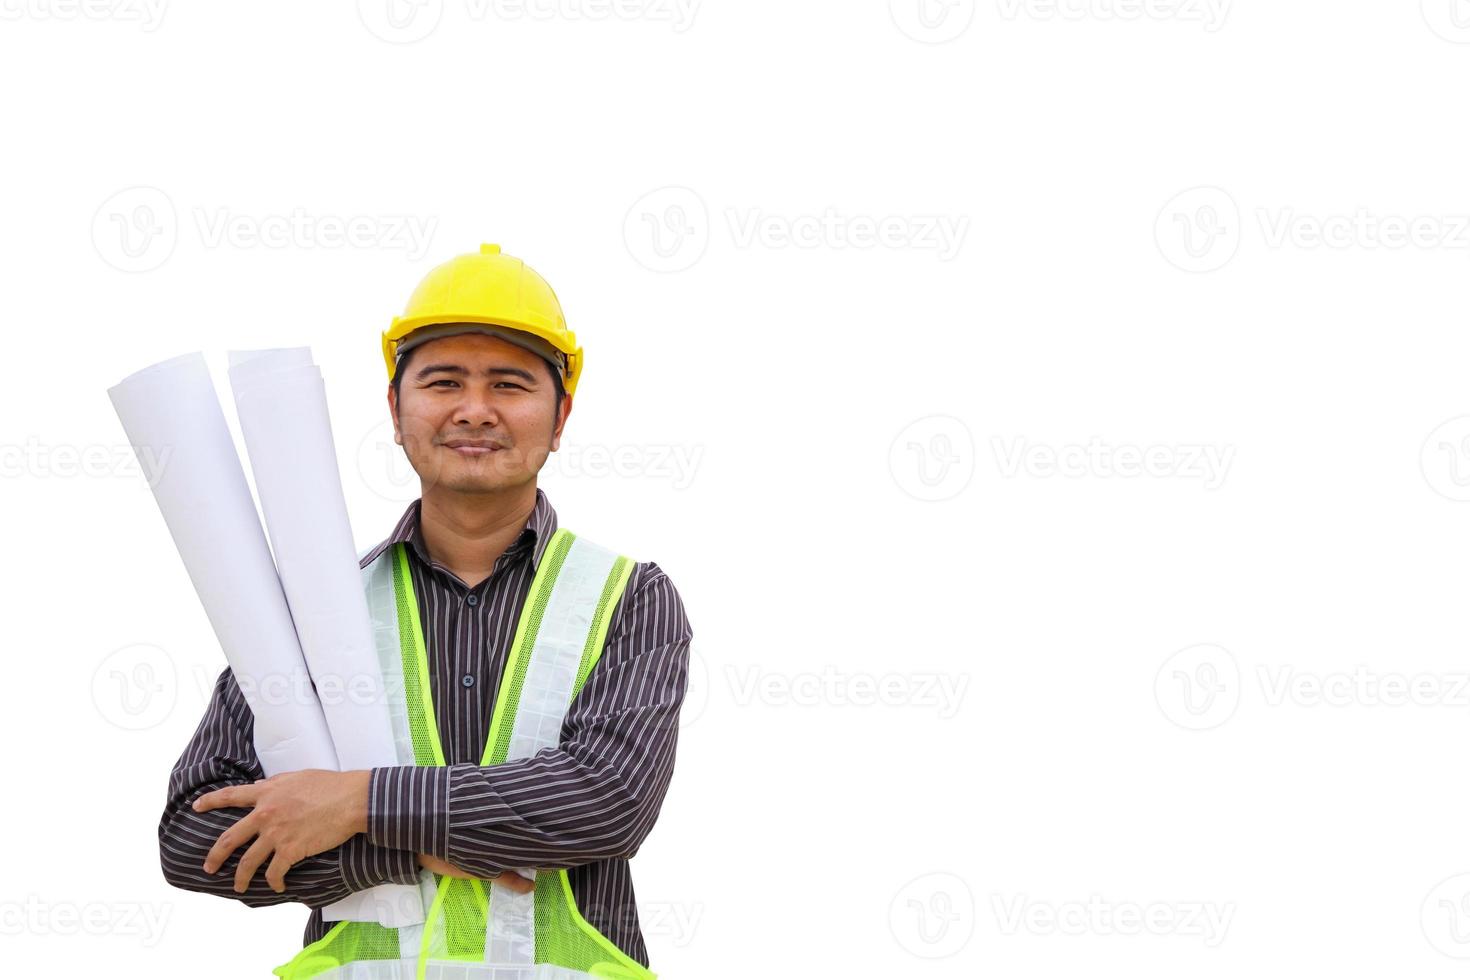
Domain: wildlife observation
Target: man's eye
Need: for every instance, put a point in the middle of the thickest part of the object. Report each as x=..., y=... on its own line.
x=441, y=381
x=511, y=383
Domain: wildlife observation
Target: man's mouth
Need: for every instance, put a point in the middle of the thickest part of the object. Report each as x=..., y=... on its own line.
x=470, y=447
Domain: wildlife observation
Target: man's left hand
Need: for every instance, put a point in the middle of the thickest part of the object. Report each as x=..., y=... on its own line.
x=294, y=815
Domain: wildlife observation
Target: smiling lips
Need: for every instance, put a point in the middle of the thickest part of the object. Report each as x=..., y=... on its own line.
x=473, y=447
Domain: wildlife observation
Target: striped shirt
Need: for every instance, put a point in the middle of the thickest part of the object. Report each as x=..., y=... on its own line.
x=585, y=806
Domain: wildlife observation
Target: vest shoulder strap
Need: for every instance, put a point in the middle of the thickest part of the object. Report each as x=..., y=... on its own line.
x=559, y=639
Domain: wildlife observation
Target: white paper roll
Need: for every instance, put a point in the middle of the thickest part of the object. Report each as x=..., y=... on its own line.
x=170, y=412
x=288, y=436
x=283, y=414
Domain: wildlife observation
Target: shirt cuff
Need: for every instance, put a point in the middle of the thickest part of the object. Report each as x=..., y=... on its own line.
x=408, y=809
x=365, y=864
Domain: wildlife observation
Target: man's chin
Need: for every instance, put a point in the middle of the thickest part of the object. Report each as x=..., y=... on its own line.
x=458, y=481
x=471, y=474
x=471, y=482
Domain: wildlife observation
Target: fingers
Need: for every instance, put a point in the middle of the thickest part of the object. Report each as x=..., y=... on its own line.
x=244, y=795
x=242, y=831
x=436, y=865
x=275, y=875
x=509, y=879
x=253, y=859
x=515, y=882
x=441, y=867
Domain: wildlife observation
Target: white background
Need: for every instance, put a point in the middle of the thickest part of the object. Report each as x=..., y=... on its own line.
x=1158, y=463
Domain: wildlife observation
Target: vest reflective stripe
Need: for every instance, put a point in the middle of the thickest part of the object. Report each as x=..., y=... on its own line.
x=559, y=638
x=407, y=969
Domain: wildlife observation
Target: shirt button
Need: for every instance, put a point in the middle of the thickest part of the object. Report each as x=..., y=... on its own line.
x=473, y=600
x=468, y=680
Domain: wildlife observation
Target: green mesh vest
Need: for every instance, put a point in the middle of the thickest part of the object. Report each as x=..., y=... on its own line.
x=479, y=930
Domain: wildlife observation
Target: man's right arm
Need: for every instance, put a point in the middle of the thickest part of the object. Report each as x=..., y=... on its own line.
x=222, y=753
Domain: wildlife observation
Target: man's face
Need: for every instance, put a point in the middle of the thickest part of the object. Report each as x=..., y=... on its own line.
x=476, y=414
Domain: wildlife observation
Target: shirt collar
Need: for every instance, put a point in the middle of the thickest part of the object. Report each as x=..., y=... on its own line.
x=535, y=536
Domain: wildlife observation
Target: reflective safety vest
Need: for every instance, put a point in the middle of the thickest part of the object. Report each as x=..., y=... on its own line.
x=477, y=929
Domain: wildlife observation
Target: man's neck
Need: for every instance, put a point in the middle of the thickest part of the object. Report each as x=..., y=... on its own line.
x=467, y=533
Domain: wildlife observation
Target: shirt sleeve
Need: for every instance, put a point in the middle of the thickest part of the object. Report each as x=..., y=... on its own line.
x=593, y=797
x=222, y=753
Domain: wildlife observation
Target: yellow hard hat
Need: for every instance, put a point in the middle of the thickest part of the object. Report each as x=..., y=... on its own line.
x=493, y=290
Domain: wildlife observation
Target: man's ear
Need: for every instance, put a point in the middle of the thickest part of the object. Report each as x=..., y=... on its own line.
x=393, y=413
x=566, y=409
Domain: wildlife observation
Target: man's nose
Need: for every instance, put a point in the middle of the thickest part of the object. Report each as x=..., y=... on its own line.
x=475, y=408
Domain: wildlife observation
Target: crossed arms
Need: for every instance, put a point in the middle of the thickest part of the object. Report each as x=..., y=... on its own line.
x=319, y=836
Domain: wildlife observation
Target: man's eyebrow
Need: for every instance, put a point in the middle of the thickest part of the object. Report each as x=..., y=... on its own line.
x=460, y=371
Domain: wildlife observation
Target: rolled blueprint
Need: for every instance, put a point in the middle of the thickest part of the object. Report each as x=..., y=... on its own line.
x=283, y=415
x=282, y=407
x=170, y=412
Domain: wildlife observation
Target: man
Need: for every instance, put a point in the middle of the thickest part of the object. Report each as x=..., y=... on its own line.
x=482, y=372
